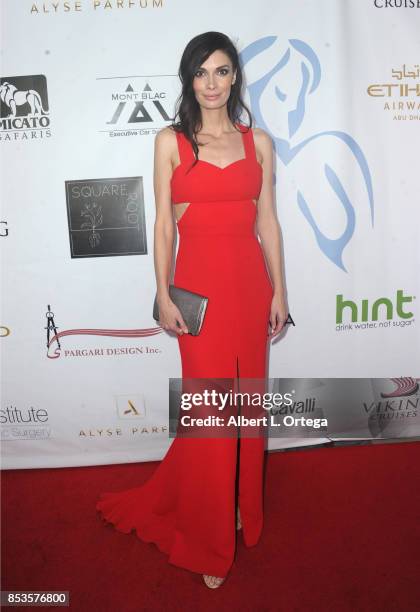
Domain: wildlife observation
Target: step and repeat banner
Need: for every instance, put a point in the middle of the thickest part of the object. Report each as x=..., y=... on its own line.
x=85, y=86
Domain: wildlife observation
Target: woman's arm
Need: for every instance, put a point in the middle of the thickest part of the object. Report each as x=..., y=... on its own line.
x=164, y=226
x=164, y=232
x=269, y=231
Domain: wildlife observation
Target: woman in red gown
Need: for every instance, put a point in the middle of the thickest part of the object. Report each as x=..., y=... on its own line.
x=221, y=204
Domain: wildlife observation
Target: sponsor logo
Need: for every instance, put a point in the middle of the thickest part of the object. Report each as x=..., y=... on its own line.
x=106, y=217
x=403, y=386
x=54, y=345
x=24, y=111
x=78, y=7
x=400, y=94
x=285, y=85
x=131, y=407
x=394, y=412
x=382, y=312
x=24, y=424
x=385, y=4
x=139, y=109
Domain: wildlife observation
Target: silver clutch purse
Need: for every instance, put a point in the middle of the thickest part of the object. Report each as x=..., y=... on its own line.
x=191, y=305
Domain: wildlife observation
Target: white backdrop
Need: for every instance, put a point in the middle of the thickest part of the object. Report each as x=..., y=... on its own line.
x=85, y=86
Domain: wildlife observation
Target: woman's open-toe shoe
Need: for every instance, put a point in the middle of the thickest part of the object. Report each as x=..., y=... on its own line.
x=213, y=582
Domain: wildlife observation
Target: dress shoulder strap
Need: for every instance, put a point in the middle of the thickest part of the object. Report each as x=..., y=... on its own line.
x=249, y=143
x=185, y=150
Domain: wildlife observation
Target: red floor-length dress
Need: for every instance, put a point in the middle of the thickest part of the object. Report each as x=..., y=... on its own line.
x=187, y=507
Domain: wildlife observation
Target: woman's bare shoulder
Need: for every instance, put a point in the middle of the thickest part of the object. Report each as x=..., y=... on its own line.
x=166, y=135
x=165, y=144
x=261, y=136
x=263, y=143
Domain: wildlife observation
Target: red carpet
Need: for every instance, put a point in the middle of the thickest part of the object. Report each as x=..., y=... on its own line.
x=342, y=532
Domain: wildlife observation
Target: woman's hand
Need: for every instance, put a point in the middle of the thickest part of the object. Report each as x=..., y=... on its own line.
x=170, y=316
x=278, y=315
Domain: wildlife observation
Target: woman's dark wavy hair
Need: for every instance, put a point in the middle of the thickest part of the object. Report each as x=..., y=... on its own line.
x=189, y=112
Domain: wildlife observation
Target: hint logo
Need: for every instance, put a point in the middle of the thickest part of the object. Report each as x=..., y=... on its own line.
x=383, y=308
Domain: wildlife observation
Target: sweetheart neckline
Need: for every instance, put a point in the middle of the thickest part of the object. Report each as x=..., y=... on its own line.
x=203, y=161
